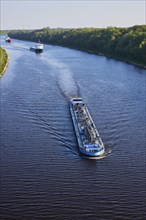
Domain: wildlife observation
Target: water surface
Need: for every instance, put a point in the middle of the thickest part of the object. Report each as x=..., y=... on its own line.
x=43, y=175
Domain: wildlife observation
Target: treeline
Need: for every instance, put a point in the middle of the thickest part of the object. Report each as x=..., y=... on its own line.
x=128, y=44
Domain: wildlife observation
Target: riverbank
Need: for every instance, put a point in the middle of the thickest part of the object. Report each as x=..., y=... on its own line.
x=125, y=44
x=4, y=60
x=143, y=66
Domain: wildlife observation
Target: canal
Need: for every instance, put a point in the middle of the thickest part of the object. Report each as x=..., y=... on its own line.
x=43, y=175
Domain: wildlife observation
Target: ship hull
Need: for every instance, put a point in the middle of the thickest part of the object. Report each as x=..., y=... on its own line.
x=36, y=50
x=9, y=40
x=90, y=154
x=81, y=144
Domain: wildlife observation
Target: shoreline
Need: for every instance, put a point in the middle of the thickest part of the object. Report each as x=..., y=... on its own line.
x=6, y=65
x=96, y=53
x=105, y=55
x=124, y=44
x=87, y=51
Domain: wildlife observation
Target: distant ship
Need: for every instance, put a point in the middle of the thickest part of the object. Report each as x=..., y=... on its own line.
x=8, y=39
x=89, y=141
x=38, y=48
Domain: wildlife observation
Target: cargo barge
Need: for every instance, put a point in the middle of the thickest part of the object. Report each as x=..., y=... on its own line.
x=38, y=48
x=89, y=141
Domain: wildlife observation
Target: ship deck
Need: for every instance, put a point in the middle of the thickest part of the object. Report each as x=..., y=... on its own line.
x=87, y=135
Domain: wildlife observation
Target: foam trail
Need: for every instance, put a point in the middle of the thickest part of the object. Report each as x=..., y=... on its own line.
x=64, y=76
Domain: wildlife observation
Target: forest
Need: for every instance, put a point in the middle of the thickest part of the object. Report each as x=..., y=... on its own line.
x=127, y=44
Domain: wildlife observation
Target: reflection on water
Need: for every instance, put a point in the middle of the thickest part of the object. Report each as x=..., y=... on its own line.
x=43, y=174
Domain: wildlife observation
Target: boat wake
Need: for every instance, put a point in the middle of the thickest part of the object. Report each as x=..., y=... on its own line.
x=65, y=79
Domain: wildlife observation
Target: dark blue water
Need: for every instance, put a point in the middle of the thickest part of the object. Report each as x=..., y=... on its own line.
x=43, y=175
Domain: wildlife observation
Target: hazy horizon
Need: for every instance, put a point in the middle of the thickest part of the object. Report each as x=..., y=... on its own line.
x=71, y=14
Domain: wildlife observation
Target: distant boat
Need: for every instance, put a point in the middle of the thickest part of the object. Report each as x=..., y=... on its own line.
x=38, y=48
x=8, y=39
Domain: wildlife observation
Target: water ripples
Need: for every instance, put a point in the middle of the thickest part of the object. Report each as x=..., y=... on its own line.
x=43, y=174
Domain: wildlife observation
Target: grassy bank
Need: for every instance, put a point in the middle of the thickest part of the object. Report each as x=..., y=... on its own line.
x=126, y=44
x=3, y=61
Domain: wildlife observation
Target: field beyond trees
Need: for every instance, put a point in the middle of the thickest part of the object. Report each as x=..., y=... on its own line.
x=127, y=44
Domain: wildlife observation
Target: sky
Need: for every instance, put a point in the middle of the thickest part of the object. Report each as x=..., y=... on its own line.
x=35, y=14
